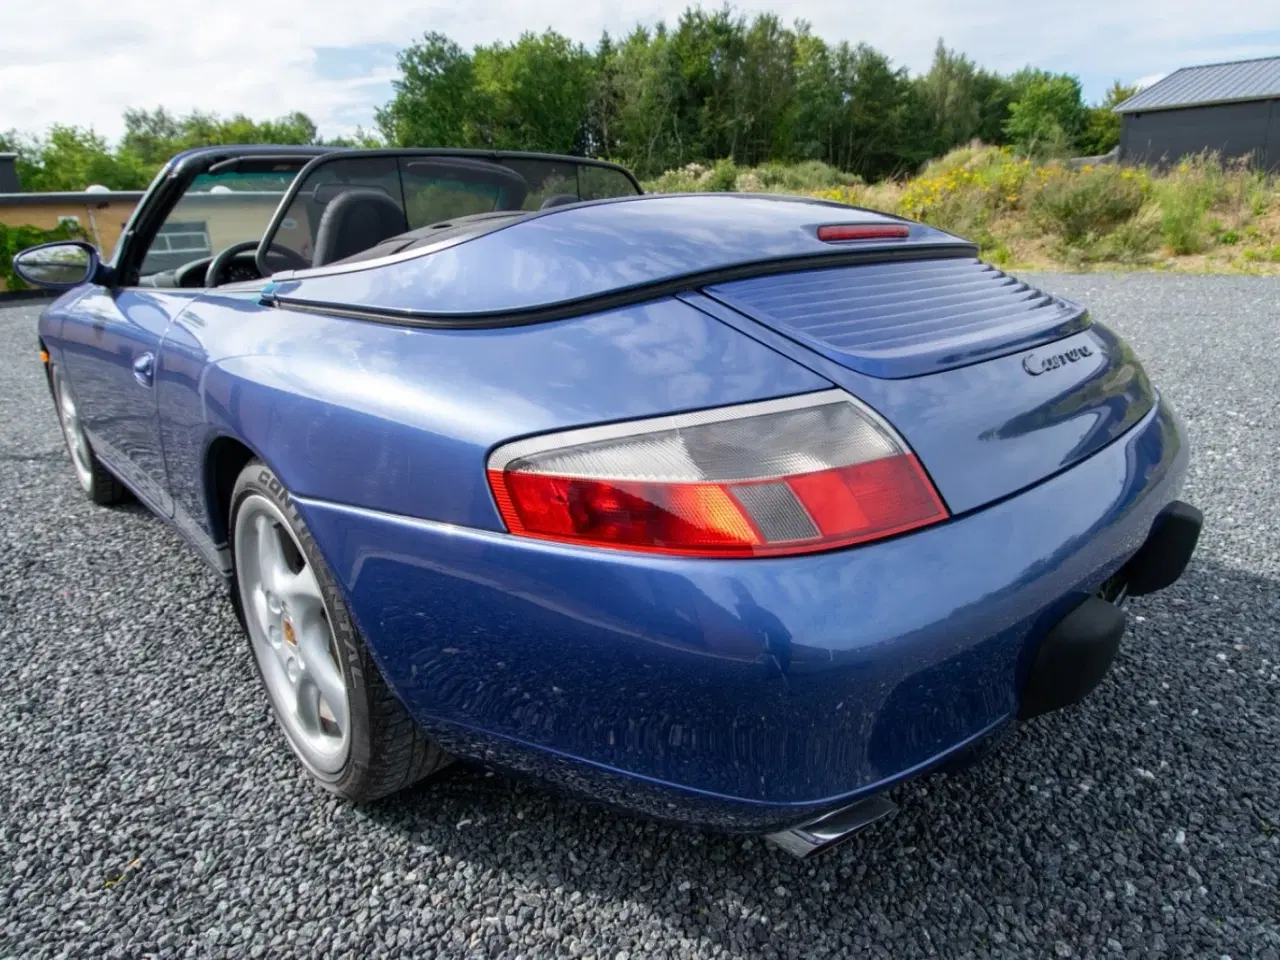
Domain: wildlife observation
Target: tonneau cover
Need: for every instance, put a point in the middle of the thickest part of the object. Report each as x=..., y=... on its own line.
x=578, y=254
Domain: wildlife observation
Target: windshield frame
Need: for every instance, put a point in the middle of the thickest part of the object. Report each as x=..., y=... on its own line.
x=171, y=183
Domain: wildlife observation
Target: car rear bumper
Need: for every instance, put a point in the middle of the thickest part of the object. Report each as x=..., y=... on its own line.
x=743, y=694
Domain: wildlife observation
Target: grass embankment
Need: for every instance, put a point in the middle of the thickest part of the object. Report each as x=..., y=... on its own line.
x=1200, y=216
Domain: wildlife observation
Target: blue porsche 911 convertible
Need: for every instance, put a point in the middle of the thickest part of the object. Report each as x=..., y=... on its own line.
x=736, y=510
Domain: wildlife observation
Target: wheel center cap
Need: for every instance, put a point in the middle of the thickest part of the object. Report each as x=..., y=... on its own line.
x=290, y=637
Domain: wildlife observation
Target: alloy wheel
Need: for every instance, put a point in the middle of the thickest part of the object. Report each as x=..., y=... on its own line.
x=77, y=442
x=291, y=636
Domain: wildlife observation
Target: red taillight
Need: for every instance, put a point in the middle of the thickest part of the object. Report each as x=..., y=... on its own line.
x=779, y=477
x=834, y=233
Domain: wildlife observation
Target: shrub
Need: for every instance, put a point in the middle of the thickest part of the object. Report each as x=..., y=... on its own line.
x=965, y=190
x=686, y=179
x=1009, y=204
x=1133, y=241
x=1257, y=255
x=723, y=176
x=811, y=175
x=999, y=253
x=1258, y=196
x=1186, y=194
x=697, y=178
x=1088, y=203
x=1181, y=216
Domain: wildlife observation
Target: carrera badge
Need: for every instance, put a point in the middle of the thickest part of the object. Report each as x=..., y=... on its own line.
x=1036, y=364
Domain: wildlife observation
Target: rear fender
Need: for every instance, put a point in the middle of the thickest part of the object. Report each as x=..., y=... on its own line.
x=402, y=420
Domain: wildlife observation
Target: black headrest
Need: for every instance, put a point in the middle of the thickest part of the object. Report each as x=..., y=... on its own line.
x=356, y=220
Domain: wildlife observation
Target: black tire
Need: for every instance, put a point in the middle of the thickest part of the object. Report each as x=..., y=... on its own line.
x=99, y=484
x=387, y=750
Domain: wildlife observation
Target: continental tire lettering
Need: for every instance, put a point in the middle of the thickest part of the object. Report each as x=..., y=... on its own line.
x=276, y=487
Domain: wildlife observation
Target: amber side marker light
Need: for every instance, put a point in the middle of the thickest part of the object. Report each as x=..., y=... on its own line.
x=44, y=356
x=835, y=233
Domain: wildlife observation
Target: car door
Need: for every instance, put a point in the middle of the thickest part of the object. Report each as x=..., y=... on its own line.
x=204, y=202
x=109, y=345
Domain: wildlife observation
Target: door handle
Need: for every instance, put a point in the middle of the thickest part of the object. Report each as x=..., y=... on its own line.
x=144, y=368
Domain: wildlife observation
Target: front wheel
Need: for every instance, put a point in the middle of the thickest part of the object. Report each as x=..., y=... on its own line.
x=95, y=480
x=345, y=725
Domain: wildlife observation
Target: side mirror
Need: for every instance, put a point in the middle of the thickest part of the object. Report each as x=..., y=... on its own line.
x=58, y=266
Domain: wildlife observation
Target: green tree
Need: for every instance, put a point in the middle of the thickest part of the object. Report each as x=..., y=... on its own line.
x=765, y=91
x=601, y=132
x=1047, y=116
x=534, y=94
x=1102, y=124
x=708, y=50
x=882, y=116
x=994, y=95
x=72, y=158
x=948, y=95
x=650, y=137
x=153, y=136
x=716, y=86
x=816, y=101
x=27, y=149
x=434, y=97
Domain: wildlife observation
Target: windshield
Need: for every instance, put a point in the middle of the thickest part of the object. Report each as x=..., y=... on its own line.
x=350, y=204
x=217, y=211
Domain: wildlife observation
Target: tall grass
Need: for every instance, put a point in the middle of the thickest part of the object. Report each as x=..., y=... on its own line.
x=1021, y=210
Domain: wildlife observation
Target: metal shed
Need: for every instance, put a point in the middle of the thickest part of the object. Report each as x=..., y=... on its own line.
x=1233, y=108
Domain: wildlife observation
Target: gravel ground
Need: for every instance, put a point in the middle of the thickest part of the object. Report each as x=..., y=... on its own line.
x=150, y=808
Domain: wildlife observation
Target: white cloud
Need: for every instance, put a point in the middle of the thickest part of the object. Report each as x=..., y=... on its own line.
x=260, y=56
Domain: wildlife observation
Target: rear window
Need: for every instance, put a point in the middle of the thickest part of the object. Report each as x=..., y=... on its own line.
x=426, y=190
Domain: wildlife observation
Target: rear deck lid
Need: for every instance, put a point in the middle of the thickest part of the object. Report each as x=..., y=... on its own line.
x=905, y=319
x=995, y=385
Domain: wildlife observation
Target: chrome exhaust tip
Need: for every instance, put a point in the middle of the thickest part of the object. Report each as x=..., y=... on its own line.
x=832, y=829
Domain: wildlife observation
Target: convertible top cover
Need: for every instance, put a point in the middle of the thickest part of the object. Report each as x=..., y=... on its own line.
x=578, y=253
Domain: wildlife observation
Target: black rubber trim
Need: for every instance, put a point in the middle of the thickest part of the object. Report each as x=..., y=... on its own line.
x=1073, y=658
x=1163, y=558
x=629, y=295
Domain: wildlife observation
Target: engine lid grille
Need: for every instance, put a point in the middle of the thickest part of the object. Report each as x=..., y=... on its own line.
x=906, y=318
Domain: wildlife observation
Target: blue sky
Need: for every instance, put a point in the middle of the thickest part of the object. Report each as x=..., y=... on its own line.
x=335, y=60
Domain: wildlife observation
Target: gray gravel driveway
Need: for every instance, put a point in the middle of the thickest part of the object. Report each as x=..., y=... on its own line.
x=148, y=807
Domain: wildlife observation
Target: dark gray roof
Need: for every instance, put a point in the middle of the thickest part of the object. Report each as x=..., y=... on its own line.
x=1210, y=83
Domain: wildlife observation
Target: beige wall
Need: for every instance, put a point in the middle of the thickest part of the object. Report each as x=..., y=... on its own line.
x=229, y=217
x=102, y=220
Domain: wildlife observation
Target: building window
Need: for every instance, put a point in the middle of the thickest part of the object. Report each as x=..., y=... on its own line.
x=176, y=243
x=191, y=237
